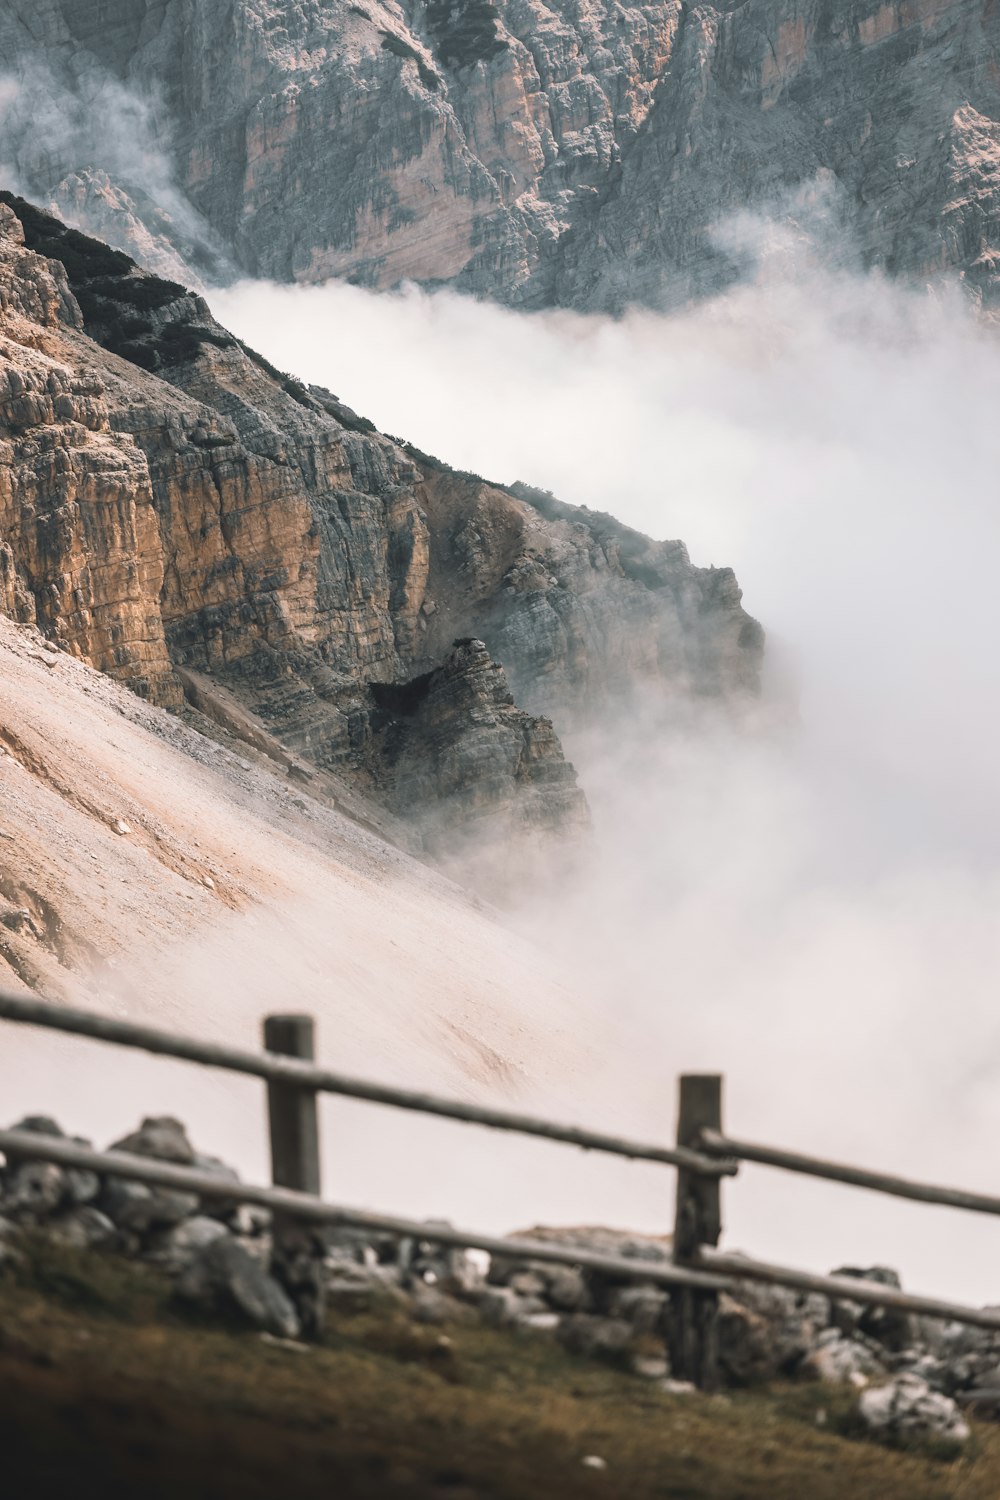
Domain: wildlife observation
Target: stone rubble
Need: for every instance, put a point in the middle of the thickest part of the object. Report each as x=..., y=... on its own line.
x=914, y=1375
x=908, y=1408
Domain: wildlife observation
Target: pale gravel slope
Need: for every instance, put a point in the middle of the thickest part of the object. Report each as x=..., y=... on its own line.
x=307, y=910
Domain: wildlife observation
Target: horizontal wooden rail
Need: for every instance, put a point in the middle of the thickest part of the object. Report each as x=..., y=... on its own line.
x=728, y=1147
x=21, y=1145
x=277, y=1069
x=845, y=1289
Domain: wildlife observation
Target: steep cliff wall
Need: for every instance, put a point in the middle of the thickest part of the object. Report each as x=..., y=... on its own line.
x=577, y=152
x=80, y=551
x=229, y=521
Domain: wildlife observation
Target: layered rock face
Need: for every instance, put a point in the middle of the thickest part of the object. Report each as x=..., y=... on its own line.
x=577, y=153
x=485, y=781
x=79, y=538
x=203, y=511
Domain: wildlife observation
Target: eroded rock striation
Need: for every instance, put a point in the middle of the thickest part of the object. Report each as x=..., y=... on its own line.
x=580, y=153
x=180, y=514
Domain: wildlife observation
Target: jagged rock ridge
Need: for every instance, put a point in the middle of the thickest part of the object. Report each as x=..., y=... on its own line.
x=578, y=153
x=171, y=501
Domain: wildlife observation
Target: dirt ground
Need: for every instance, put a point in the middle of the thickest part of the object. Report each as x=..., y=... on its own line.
x=108, y=1393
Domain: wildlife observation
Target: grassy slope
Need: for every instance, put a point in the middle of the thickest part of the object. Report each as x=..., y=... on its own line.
x=105, y=1391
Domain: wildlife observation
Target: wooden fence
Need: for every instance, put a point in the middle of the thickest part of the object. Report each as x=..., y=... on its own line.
x=702, y=1156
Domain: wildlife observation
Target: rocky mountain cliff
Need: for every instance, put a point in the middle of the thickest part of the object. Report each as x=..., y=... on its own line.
x=183, y=516
x=579, y=152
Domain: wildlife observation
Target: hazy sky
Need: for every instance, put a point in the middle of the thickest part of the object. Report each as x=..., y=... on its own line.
x=812, y=908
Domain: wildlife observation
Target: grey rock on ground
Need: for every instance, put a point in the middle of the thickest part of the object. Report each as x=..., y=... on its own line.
x=34, y=1189
x=890, y=1326
x=841, y=1361
x=177, y=1246
x=85, y=1228
x=159, y=1136
x=907, y=1408
x=225, y=1277
x=138, y=1208
x=430, y=1305
x=594, y=1336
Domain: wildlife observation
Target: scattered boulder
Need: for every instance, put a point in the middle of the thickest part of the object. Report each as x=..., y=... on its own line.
x=33, y=1189
x=564, y=1287
x=749, y=1351
x=139, y=1208
x=82, y=1185
x=890, y=1326
x=906, y=1408
x=40, y=1125
x=223, y=1276
x=528, y=1283
x=502, y=1307
x=567, y=1289
x=983, y=1396
x=162, y=1137
x=841, y=1361
x=351, y=1286
x=240, y=1218
x=423, y=1262
x=645, y=1308
x=595, y=1336
x=773, y=1341
x=431, y=1305
x=83, y=1227
x=175, y=1248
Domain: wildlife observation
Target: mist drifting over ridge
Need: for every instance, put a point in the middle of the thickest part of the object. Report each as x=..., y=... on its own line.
x=809, y=904
x=810, y=908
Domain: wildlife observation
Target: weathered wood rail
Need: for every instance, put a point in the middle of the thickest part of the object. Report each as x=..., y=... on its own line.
x=305, y=1075
x=728, y=1147
x=703, y=1156
x=27, y=1145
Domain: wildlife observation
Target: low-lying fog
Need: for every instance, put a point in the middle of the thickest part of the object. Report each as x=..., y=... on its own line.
x=812, y=908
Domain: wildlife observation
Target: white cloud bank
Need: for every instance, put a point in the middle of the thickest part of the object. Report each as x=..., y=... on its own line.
x=814, y=909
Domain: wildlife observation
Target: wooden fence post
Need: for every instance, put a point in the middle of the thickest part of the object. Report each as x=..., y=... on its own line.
x=698, y=1221
x=291, y=1111
x=297, y=1248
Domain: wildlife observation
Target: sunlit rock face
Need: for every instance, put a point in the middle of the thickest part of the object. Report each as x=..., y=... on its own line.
x=170, y=501
x=80, y=551
x=579, y=153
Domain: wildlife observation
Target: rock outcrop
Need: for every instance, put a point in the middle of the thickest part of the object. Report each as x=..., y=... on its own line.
x=481, y=778
x=79, y=540
x=580, y=153
x=170, y=501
